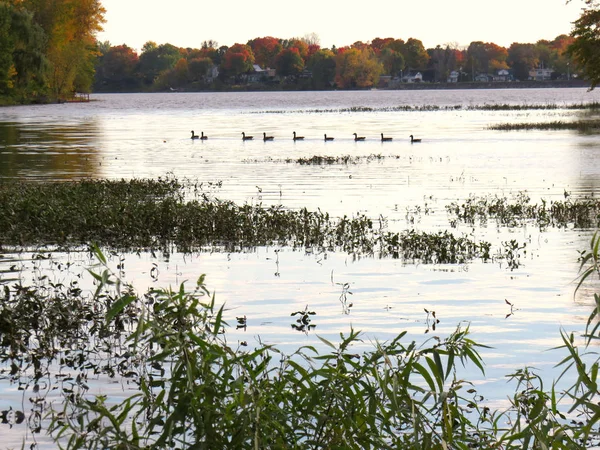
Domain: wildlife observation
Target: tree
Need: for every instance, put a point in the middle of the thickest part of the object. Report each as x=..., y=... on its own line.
x=415, y=55
x=522, y=58
x=70, y=27
x=265, y=50
x=322, y=66
x=156, y=59
x=199, y=67
x=357, y=68
x=393, y=61
x=238, y=59
x=289, y=62
x=117, y=69
x=585, y=50
x=22, y=57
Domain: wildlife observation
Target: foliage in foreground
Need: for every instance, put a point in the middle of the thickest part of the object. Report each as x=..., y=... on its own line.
x=197, y=391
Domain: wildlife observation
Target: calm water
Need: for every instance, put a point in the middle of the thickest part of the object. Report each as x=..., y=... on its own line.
x=140, y=136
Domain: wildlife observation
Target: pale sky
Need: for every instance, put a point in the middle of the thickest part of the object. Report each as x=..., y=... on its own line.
x=186, y=23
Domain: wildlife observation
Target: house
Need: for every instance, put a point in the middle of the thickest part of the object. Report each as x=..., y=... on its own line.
x=212, y=73
x=540, y=74
x=257, y=75
x=412, y=77
x=454, y=76
x=483, y=78
x=503, y=75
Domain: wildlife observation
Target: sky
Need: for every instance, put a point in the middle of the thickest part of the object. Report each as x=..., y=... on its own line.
x=187, y=23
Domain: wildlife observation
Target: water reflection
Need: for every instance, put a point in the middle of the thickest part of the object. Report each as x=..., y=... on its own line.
x=55, y=151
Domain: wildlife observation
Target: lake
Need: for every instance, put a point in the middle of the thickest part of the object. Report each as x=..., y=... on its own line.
x=408, y=185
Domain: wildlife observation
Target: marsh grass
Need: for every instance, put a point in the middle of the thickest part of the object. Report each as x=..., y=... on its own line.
x=156, y=215
x=579, y=125
x=571, y=212
x=426, y=108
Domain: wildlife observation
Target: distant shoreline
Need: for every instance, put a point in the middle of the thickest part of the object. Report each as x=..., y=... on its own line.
x=397, y=87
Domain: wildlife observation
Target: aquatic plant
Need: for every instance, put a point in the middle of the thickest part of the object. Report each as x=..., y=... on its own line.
x=578, y=125
x=577, y=212
x=426, y=108
x=137, y=215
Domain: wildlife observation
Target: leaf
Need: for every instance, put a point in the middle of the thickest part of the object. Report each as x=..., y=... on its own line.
x=119, y=306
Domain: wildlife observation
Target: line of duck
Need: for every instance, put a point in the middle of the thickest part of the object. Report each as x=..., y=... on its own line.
x=295, y=137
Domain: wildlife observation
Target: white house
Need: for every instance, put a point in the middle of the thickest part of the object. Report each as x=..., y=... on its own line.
x=454, y=76
x=540, y=74
x=413, y=77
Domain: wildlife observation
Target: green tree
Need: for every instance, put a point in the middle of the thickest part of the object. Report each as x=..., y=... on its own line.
x=585, y=50
x=156, y=59
x=393, y=61
x=322, y=66
x=21, y=53
x=522, y=58
x=415, y=55
x=289, y=62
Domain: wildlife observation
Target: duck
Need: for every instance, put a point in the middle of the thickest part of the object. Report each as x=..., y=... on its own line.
x=328, y=138
x=358, y=138
x=413, y=140
x=298, y=138
x=385, y=139
x=202, y=137
x=267, y=138
x=246, y=138
x=194, y=135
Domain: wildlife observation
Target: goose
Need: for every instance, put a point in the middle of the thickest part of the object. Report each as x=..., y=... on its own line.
x=298, y=138
x=267, y=138
x=385, y=139
x=412, y=139
x=328, y=138
x=358, y=138
x=202, y=137
x=246, y=138
x=194, y=135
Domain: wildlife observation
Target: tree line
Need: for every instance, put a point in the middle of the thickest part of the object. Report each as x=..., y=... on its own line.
x=49, y=50
x=302, y=63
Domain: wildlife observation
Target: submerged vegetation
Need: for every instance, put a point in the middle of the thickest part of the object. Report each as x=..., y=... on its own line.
x=155, y=215
x=579, y=213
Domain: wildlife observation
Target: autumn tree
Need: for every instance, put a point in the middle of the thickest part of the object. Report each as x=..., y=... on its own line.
x=585, y=49
x=357, y=68
x=70, y=27
x=238, y=59
x=265, y=50
x=199, y=67
x=117, y=69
